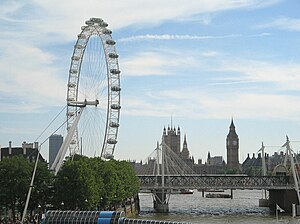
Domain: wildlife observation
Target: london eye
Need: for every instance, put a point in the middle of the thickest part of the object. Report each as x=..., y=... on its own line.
x=94, y=84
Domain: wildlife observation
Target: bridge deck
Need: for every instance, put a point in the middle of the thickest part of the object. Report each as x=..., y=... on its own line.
x=191, y=181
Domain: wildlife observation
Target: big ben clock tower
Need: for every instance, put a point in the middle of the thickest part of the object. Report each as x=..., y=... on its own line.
x=232, y=146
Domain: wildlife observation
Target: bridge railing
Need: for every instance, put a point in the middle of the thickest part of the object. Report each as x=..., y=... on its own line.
x=148, y=182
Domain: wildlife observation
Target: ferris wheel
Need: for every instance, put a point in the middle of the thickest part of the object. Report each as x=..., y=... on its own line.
x=93, y=92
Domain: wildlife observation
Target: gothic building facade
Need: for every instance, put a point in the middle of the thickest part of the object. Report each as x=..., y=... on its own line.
x=172, y=138
x=214, y=164
x=232, y=146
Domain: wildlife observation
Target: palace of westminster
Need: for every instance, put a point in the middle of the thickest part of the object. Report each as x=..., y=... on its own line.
x=215, y=164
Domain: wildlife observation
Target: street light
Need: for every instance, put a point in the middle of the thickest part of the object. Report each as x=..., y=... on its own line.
x=39, y=212
x=86, y=204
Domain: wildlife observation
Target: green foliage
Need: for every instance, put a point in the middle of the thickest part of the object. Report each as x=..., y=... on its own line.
x=227, y=170
x=15, y=177
x=41, y=192
x=82, y=183
x=14, y=181
x=76, y=186
x=91, y=183
x=253, y=171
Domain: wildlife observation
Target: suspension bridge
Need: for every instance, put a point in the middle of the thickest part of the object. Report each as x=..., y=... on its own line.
x=166, y=173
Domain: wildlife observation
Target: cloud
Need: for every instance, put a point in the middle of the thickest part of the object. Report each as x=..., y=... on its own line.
x=30, y=71
x=250, y=106
x=144, y=64
x=29, y=76
x=283, y=23
x=155, y=63
x=210, y=105
x=185, y=37
x=283, y=75
x=173, y=37
x=262, y=89
x=59, y=21
x=17, y=130
x=211, y=54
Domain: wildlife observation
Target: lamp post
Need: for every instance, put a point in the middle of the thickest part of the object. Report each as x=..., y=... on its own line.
x=101, y=204
x=86, y=204
x=39, y=212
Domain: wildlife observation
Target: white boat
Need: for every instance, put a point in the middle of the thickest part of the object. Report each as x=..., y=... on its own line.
x=186, y=191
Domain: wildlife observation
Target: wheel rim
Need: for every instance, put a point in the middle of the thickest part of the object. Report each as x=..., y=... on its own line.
x=94, y=75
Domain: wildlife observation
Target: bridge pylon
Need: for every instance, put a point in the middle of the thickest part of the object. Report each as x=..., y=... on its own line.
x=162, y=164
x=161, y=200
x=161, y=196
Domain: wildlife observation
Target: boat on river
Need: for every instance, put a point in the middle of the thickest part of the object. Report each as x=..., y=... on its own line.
x=211, y=190
x=211, y=195
x=186, y=191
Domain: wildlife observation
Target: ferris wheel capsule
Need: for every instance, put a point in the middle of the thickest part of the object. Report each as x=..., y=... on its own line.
x=89, y=22
x=113, y=55
x=110, y=42
x=106, y=31
x=115, y=71
x=96, y=20
x=115, y=88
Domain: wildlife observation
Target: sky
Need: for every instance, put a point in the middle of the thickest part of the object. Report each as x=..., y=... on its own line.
x=199, y=63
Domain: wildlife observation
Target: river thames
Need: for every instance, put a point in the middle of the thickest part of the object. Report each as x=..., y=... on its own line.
x=194, y=208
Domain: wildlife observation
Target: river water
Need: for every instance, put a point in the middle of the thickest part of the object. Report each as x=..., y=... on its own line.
x=194, y=208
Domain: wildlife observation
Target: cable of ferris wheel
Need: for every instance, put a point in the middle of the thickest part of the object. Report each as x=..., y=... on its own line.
x=50, y=123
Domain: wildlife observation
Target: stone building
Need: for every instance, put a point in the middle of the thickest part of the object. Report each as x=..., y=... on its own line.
x=253, y=166
x=214, y=165
x=232, y=146
x=172, y=138
x=27, y=150
x=215, y=160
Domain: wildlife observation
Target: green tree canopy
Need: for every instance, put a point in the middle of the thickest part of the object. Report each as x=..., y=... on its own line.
x=15, y=178
x=89, y=183
x=76, y=186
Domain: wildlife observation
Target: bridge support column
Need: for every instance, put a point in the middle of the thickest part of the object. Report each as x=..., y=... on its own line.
x=161, y=201
x=283, y=198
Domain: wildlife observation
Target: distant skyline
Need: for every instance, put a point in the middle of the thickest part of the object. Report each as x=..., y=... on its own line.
x=200, y=62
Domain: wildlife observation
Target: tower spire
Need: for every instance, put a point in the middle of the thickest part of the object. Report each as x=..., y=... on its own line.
x=185, y=151
x=232, y=127
x=184, y=141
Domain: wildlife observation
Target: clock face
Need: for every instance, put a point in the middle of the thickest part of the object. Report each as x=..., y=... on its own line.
x=234, y=142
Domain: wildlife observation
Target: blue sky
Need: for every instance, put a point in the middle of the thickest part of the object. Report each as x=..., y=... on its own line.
x=200, y=61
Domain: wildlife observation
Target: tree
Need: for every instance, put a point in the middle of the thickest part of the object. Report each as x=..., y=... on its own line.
x=130, y=181
x=76, y=186
x=41, y=193
x=14, y=182
x=89, y=183
x=15, y=178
